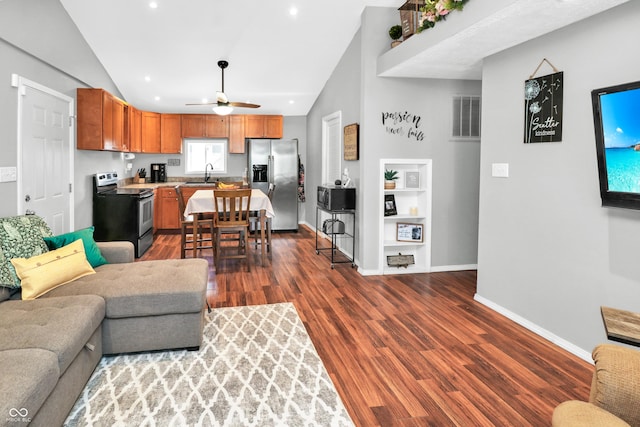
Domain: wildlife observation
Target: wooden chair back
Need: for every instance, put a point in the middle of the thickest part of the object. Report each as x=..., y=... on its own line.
x=232, y=207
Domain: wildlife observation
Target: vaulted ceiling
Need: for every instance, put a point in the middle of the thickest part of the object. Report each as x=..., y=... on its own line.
x=281, y=53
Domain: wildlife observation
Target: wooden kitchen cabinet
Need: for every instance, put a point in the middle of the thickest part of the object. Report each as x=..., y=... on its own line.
x=170, y=129
x=134, y=129
x=204, y=126
x=150, y=134
x=166, y=209
x=263, y=126
x=236, y=134
x=101, y=121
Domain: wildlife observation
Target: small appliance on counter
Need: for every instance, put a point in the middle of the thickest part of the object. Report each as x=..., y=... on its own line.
x=158, y=172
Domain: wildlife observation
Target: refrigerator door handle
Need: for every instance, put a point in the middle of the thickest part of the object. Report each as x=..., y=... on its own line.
x=271, y=174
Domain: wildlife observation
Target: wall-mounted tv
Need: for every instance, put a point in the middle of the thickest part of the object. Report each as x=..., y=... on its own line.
x=616, y=115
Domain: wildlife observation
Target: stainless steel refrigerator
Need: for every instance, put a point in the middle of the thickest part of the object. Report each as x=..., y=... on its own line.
x=276, y=161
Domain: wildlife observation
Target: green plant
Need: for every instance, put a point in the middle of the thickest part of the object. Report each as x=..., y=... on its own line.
x=395, y=32
x=390, y=175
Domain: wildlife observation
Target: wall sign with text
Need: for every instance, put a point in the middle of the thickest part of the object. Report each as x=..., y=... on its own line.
x=543, y=109
x=404, y=124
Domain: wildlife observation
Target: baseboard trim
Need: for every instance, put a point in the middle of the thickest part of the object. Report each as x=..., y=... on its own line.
x=461, y=267
x=560, y=342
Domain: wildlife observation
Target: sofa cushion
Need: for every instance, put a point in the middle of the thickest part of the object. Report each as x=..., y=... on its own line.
x=60, y=325
x=28, y=377
x=146, y=288
x=20, y=237
x=42, y=273
x=91, y=250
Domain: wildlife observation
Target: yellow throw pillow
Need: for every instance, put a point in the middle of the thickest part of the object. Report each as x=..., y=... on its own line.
x=42, y=273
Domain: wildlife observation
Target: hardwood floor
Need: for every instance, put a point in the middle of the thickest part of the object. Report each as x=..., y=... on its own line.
x=406, y=350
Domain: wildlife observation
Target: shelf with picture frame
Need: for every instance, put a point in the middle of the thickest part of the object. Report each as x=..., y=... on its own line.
x=410, y=211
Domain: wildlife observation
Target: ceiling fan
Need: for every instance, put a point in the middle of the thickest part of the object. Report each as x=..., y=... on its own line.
x=222, y=105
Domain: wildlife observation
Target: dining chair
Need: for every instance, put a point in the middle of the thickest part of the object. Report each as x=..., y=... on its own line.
x=191, y=239
x=254, y=221
x=231, y=224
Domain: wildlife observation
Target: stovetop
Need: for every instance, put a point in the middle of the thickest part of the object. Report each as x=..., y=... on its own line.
x=106, y=183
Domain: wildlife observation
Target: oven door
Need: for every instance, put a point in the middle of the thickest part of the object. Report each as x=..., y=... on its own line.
x=145, y=215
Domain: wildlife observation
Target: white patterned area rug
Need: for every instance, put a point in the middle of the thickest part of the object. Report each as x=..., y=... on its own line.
x=256, y=367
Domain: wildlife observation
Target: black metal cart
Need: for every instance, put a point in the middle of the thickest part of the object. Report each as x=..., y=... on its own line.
x=334, y=231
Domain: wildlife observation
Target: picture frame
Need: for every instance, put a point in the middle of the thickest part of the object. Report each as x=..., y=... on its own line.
x=412, y=179
x=390, y=205
x=351, y=142
x=409, y=232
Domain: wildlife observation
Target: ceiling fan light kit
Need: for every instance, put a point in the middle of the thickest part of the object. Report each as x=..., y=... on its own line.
x=223, y=106
x=222, y=110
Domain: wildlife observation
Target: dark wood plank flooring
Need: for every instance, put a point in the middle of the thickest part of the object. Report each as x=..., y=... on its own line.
x=405, y=350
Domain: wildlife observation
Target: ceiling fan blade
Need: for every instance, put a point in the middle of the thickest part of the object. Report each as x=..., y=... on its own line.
x=244, y=105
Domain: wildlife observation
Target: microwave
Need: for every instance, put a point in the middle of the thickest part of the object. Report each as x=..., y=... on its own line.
x=332, y=198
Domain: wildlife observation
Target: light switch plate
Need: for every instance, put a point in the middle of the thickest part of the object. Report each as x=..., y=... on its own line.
x=8, y=174
x=500, y=170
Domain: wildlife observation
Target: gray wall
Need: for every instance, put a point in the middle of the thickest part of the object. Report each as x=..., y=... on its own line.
x=39, y=41
x=362, y=97
x=549, y=254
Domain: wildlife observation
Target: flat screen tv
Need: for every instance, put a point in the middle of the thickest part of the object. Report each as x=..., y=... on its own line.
x=616, y=115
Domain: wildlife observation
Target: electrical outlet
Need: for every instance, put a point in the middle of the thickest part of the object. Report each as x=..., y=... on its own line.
x=8, y=174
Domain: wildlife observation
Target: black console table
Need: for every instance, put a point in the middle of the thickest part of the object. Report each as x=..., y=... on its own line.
x=337, y=257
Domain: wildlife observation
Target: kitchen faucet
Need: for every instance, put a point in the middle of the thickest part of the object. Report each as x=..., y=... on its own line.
x=206, y=175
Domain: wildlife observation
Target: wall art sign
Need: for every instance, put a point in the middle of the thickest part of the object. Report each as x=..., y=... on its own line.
x=543, y=108
x=350, y=142
x=403, y=124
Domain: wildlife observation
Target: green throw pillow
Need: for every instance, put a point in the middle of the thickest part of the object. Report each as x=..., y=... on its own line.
x=94, y=256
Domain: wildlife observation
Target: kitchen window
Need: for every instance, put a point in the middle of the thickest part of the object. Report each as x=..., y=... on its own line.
x=200, y=152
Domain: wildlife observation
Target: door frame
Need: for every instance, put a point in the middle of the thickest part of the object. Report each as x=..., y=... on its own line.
x=22, y=83
x=326, y=120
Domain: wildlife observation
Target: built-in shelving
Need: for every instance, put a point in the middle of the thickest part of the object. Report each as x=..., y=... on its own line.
x=413, y=206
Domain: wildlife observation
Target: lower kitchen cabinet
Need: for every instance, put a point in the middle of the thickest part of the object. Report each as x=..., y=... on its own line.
x=166, y=209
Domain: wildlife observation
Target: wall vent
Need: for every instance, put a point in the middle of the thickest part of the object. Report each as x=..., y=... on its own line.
x=466, y=117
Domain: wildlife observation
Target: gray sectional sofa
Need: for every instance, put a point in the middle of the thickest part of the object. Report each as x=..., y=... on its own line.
x=49, y=346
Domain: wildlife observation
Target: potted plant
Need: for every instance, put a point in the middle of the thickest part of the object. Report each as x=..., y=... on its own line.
x=395, y=32
x=390, y=177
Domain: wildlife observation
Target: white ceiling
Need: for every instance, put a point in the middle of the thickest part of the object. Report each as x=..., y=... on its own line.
x=282, y=61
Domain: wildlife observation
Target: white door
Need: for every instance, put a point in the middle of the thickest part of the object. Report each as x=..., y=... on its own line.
x=45, y=155
x=331, y=147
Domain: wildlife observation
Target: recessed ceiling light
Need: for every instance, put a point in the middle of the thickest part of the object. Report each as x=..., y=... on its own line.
x=293, y=11
x=205, y=100
x=291, y=101
x=153, y=5
x=157, y=98
x=147, y=78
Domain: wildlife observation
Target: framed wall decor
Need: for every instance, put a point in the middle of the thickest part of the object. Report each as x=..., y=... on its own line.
x=412, y=179
x=390, y=205
x=350, y=141
x=408, y=232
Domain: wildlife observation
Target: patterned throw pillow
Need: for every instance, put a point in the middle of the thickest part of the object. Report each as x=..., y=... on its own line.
x=20, y=237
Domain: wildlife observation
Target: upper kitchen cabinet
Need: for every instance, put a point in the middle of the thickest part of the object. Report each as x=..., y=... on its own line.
x=259, y=126
x=101, y=121
x=150, y=123
x=170, y=130
x=134, y=129
x=204, y=126
x=236, y=134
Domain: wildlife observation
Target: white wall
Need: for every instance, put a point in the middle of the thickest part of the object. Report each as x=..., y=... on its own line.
x=548, y=252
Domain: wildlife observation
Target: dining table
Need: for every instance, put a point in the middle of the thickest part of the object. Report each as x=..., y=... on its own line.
x=202, y=202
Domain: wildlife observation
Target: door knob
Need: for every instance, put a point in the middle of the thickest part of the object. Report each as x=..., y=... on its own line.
x=29, y=212
x=27, y=198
